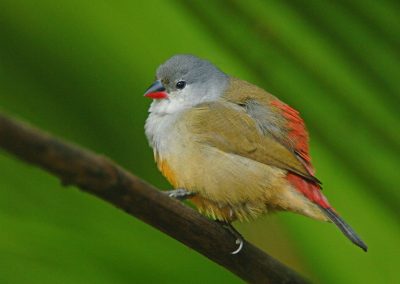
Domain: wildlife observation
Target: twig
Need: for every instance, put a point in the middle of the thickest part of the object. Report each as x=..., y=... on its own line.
x=100, y=176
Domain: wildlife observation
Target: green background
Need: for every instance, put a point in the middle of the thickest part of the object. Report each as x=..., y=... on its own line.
x=79, y=68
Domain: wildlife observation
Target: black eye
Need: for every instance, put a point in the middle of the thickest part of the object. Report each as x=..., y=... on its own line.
x=180, y=85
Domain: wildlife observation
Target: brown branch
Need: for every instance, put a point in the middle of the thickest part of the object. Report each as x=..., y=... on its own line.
x=98, y=175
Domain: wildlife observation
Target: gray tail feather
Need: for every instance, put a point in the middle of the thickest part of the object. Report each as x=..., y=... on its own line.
x=345, y=228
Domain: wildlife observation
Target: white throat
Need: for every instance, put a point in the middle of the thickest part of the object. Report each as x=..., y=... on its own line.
x=164, y=113
x=160, y=125
x=168, y=106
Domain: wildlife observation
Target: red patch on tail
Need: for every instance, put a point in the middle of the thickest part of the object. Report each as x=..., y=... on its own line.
x=309, y=189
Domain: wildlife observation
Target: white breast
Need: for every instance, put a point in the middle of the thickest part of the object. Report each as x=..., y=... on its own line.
x=161, y=126
x=161, y=130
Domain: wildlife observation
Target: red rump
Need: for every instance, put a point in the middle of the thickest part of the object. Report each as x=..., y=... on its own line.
x=298, y=138
x=296, y=129
x=309, y=189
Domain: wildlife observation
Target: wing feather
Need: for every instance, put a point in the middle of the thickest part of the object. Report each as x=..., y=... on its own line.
x=271, y=132
x=229, y=128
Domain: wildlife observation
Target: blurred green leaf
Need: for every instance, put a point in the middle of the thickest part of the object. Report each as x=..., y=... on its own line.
x=79, y=69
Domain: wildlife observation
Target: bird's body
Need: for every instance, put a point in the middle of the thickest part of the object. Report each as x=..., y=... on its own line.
x=232, y=181
x=239, y=149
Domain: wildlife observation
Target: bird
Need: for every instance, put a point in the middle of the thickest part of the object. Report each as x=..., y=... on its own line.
x=231, y=148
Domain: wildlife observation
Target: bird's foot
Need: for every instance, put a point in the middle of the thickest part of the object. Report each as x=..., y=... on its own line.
x=180, y=194
x=239, y=238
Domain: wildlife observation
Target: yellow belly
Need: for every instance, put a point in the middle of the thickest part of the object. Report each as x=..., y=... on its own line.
x=229, y=188
x=228, y=212
x=221, y=197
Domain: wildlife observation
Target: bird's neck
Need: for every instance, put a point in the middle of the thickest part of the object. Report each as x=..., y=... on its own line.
x=160, y=128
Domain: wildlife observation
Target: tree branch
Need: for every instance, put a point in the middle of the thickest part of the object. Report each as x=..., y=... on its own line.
x=100, y=176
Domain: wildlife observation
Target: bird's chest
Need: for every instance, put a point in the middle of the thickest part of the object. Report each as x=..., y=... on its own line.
x=164, y=132
x=169, y=138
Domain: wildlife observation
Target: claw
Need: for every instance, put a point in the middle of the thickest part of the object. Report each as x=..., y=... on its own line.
x=240, y=243
x=180, y=193
x=239, y=239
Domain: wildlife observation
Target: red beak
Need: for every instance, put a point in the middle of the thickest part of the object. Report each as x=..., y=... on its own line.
x=156, y=91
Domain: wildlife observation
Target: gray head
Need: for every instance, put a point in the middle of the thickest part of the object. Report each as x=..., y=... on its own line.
x=186, y=80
